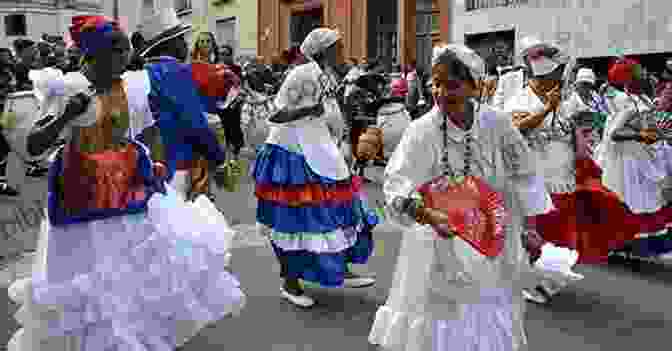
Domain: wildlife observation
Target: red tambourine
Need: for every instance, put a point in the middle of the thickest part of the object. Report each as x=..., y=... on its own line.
x=477, y=213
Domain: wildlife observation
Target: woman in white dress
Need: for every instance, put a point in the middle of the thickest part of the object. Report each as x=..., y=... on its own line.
x=309, y=204
x=122, y=263
x=446, y=295
x=636, y=164
x=536, y=110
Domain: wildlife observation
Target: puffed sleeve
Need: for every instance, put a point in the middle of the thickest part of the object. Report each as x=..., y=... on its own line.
x=520, y=162
x=138, y=89
x=410, y=165
x=214, y=83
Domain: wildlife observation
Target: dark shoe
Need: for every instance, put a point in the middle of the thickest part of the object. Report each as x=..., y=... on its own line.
x=380, y=163
x=36, y=171
x=7, y=191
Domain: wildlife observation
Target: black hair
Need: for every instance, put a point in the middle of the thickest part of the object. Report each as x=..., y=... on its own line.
x=137, y=41
x=22, y=44
x=232, y=125
x=226, y=47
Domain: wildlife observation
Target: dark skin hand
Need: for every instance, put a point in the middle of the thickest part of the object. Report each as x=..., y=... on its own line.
x=526, y=120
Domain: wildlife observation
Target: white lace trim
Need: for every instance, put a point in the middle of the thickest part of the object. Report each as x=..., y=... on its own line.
x=330, y=242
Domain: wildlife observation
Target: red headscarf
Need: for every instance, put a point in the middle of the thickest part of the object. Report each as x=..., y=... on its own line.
x=88, y=32
x=624, y=71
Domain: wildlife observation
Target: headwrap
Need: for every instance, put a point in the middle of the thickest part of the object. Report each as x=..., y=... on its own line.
x=319, y=40
x=465, y=55
x=301, y=88
x=624, y=70
x=585, y=75
x=89, y=33
x=542, y=57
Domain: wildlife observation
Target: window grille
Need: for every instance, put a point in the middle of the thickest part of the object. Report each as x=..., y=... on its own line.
x=472, y=5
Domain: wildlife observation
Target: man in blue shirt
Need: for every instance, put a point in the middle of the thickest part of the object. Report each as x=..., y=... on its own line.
x=177, y=99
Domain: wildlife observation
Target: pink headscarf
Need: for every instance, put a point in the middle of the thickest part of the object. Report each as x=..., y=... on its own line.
x=399, y=87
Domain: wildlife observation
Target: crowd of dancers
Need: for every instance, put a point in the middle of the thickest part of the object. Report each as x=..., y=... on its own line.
x=499, y=189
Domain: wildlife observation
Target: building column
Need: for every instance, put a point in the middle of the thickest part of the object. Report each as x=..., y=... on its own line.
x=446, y=14
x=407, y=31
x=268, y=27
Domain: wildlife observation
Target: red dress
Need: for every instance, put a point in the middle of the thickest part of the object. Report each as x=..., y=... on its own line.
x=593, y=220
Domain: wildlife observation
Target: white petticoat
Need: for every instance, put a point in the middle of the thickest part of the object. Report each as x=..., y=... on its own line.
x=638, y=177
x=416, y=317
x=144, y=282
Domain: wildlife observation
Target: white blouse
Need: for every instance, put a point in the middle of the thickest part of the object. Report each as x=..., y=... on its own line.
x=503, y=159
x=53, y=92
x=555, y=159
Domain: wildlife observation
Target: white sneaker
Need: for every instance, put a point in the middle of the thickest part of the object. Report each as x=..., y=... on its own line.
x=666, y=257
x=298, y=300
x=357, y=281
x=533, y=296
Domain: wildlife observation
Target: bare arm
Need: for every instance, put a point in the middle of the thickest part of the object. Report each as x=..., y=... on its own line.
x=625, y=134
x=45, y=133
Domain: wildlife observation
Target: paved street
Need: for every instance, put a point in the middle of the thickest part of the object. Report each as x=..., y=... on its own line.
x=613, y=309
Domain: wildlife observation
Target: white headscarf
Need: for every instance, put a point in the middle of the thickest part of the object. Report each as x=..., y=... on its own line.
x=301, y=87
x=466, y=55
x=585, y=75
x=540, y=64
x=319, y=40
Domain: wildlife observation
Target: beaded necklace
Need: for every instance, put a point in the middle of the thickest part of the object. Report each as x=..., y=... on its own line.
x=468, y=154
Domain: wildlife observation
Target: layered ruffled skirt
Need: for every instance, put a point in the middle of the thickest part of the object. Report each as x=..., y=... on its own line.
x=605, y=223
x=144, y=282
x=316, y=225
x=593, y=220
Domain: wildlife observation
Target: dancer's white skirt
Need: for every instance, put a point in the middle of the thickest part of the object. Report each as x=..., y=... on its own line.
x=144, y=282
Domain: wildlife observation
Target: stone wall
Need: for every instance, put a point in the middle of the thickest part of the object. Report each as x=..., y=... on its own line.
x=20, y=219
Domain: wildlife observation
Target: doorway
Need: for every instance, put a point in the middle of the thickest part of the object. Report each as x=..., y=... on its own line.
x=496, y=48
x=225, y=33
x=302, y=23
x=383, y=32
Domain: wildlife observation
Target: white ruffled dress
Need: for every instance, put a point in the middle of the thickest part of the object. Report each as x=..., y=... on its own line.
x=445, y=295
x=142, y=282
x=638, y=173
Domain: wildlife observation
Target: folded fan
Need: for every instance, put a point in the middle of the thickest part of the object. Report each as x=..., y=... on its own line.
x=476, y=212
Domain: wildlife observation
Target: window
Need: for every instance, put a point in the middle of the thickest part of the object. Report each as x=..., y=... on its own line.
x=15, y=25
x=472, y=5
x=182, y=5
x=436, y=22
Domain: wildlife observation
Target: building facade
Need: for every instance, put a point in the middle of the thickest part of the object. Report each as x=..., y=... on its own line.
x=236, y=25
x=372, y=28
x=29, y=19
x=234, y=22
x=584, y=27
